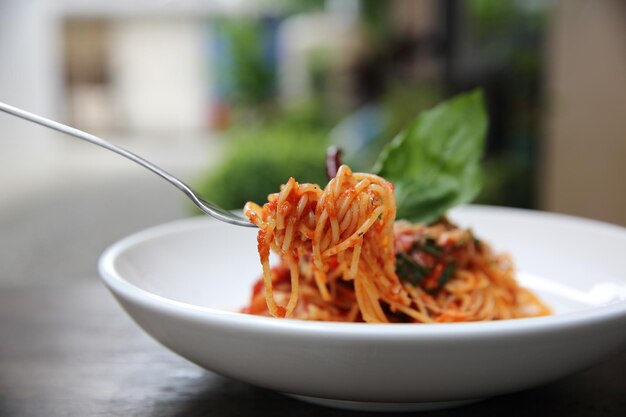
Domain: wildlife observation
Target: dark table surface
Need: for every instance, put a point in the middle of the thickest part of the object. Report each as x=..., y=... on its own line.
x=69, y=350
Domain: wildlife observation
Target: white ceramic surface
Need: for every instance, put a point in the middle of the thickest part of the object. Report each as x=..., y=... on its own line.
x=184, y=281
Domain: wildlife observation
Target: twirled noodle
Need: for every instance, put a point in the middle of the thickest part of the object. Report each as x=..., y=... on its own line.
x=338, y=249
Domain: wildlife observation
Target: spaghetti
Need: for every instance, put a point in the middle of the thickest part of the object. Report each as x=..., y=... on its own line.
x=342, y=258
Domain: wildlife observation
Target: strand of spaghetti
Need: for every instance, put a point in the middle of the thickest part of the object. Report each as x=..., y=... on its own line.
x=351, y=241
x=334, y=224
x=282, y=196
x=346, y=221
x=295, y=280
x=356, y=255
x=352, y=314
x=288, y=235
x=351, y=194
x=354, y=222
x=302, y=204
x=269, y=288
x=418, y=316
x=372, y=295
x=419, y=302
x=368, y=310
x=317, y=237
x=477, y=297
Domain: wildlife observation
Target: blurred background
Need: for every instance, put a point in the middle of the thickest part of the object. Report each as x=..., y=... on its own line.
x=235, y=96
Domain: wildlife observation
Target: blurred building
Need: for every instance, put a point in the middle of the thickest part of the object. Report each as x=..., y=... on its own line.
x=138, y=67
x=583, y=169
x=173, y=71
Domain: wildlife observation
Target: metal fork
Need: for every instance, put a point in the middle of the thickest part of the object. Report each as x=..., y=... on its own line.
x=205, y=206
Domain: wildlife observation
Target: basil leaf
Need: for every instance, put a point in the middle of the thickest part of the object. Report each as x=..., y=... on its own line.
x=435, y=163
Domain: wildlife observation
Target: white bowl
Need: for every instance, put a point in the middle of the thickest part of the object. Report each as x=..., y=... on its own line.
x=183, y=283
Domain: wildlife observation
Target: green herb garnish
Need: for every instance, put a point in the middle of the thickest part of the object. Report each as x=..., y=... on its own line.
x=430, y=247
x=435, y=163
x=410, y=271
x=446, y=274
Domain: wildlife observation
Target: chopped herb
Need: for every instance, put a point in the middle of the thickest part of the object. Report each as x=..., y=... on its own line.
x=360, y=234
x=430, y=247
x=409, y=270
x=446, y=274
x=380, y=216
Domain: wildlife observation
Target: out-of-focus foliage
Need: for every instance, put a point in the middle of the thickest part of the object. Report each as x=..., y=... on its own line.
x=400, y=73
x=259, y=159
x=506, y=182
x=403, y=102
x=376, y=19
x=507, y=38
x=299, y=6
x=397, y=108
x=492, y=16
x=505, y=18
x=251, y=72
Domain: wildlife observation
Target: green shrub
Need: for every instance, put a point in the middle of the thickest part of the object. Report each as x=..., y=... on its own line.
x=259, y=159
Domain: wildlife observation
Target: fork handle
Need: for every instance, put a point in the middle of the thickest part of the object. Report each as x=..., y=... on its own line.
x=211, y=210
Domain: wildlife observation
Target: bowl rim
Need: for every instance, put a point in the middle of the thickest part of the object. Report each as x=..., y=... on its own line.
x=397, y=331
